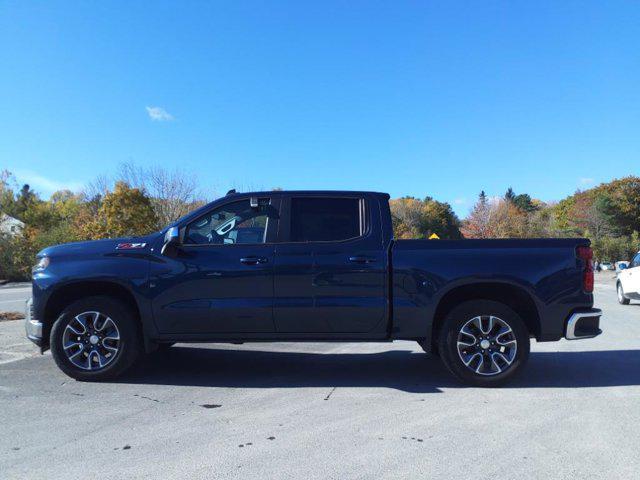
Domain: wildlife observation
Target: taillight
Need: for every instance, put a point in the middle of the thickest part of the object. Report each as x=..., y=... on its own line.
x=586, y=255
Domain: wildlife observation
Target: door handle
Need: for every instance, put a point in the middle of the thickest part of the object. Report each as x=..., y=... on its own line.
x=362, y=259
x=253, y=260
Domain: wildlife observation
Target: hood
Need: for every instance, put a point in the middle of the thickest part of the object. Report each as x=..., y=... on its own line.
x=97, y=247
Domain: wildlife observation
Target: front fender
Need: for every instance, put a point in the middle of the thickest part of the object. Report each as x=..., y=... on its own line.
x=65, y=281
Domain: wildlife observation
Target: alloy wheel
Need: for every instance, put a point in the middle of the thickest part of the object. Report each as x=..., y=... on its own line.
x=91, y=340
x=487, y=345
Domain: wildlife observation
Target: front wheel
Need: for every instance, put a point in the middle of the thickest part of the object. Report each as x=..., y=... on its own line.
x=622, y=300
x=484, y=343
x=95, y=338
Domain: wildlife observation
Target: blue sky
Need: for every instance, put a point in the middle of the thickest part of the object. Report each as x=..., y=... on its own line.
x=417, y=98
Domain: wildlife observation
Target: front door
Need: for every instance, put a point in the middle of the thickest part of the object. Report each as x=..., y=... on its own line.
x=221, y=278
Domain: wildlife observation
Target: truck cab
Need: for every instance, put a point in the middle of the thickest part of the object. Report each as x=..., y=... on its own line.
x=313, y=266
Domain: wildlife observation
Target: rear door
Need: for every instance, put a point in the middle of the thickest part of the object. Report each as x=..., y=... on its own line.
x=329, y=275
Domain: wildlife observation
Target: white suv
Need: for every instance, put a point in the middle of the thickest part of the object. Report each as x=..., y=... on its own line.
x=628, y=284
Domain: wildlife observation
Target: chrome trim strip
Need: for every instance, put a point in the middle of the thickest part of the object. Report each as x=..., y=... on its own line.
x=575, y=318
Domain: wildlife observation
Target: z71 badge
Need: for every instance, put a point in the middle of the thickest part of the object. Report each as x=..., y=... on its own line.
x=130, y=246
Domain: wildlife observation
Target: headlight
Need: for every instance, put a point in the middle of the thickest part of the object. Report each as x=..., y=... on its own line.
x=42, y=264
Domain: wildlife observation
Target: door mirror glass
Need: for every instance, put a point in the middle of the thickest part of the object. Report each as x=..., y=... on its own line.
x=171, y=241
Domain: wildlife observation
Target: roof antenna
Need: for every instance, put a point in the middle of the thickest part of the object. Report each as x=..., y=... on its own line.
x=233, y=190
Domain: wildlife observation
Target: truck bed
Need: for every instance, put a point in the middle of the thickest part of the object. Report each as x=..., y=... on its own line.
x=544, y=274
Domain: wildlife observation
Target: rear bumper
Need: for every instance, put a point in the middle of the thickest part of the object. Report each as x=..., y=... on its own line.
x=583, y=325
x=32, y=326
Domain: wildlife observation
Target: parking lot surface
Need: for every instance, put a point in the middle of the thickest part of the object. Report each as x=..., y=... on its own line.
x=13, y=297
x=347, y=410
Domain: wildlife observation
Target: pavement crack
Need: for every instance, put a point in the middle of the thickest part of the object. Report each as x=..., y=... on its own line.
x=146, y=398
x=330, y=393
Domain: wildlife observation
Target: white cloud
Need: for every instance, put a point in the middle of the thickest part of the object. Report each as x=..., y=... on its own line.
x=460, y=201
x=586, y=181
x=46, y=185
x=159, y=114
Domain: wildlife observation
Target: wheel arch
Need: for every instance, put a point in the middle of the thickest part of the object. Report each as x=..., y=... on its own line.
x=515, y=297
x=71, y=292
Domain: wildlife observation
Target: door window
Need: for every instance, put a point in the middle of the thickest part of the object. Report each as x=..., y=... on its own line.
x=636, y=261
x=325, y=219
x=233, y=223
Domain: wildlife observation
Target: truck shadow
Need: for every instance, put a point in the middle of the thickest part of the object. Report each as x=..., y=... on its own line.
x=400, y=369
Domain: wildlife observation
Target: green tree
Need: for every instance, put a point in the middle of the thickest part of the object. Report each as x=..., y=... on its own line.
x=509, y=195
x=523, y=202
x=25, y=200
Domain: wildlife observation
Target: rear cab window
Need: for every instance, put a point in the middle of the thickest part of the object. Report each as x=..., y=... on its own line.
x=326, y=219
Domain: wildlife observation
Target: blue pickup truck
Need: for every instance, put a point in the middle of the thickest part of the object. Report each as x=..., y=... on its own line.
x=308, y=266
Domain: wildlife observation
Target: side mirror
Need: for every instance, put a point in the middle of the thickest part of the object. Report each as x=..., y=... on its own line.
x=171, y=241
x=622, y=266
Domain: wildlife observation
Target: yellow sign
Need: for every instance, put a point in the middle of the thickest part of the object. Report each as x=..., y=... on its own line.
x=434, y=237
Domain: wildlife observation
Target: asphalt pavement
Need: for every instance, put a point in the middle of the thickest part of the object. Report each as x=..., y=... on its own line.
x=13, y=297
x=319, y=411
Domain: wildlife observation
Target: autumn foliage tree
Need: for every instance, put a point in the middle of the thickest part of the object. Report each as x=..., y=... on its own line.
x=609, y=215
x=498, y=217
x=140, y=201
x=124, y=212
x=480, y=223
x=414, y=218
x=624, y=203
x=110, y=211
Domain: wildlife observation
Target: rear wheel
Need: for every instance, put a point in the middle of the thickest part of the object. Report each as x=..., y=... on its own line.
x=95, y=338
x=622, y=300
x=484, y=343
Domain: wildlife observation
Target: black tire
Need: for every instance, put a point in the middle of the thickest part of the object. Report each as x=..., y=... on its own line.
x=622, y=300
x=129, y=346
x=460, y=316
